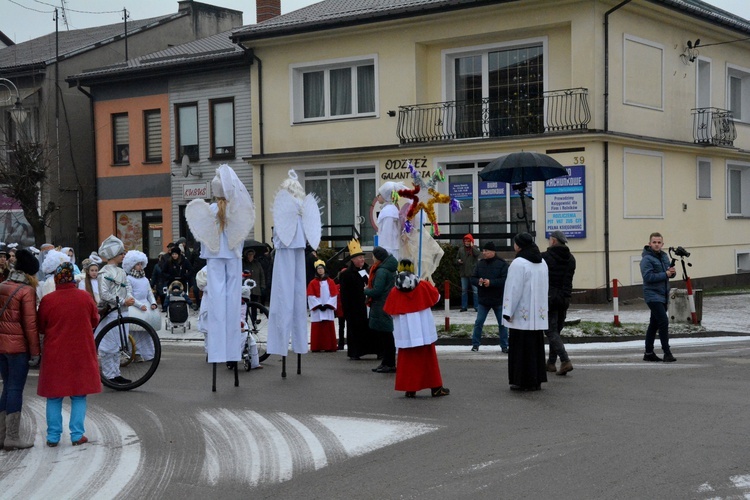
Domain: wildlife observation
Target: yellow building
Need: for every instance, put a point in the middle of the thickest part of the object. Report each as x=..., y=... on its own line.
x=647, y=102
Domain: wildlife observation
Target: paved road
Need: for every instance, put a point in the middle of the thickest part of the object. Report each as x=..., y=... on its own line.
x=616, y=427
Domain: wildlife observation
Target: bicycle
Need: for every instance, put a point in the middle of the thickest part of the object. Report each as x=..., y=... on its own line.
x=131, y=348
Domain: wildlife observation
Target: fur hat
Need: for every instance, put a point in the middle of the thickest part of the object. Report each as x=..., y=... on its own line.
x=132, y=258
x=406, y=280
x=52, y=260
x=490, y=245
x=523, y=240
x=175, y=249
x=111, y=248
x=176, y=285
x=380, y=253
x=26, y=262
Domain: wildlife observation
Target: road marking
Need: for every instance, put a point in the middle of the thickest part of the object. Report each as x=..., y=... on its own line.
x=252, y=448
x=101, y=469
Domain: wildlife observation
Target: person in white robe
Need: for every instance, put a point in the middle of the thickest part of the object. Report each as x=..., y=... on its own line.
x=389, y=226
x=221, y=228
x=526, y=314
x=114, y=289
x=134, y=264
x=296, y=219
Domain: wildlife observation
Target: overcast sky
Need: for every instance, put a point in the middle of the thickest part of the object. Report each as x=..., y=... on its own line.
x=23, y=20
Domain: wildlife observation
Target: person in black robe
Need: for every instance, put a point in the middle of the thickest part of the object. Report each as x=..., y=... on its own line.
x=352, y=282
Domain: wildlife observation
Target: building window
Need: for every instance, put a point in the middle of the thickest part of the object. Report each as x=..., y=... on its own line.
x=333, y=90
x=738, y=190
x=186, y=116
x=498, y=91
x=738, y=92
x=222, y=128
x=152, y=128
x=120, y=139
x=704, y=179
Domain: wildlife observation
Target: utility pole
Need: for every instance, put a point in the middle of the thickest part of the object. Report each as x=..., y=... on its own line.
x=125, y=16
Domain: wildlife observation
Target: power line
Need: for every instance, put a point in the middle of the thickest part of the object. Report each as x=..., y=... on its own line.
x=29, y=8
x=75, y=10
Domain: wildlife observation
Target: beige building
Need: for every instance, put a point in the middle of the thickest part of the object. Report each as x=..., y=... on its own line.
x=647, y=103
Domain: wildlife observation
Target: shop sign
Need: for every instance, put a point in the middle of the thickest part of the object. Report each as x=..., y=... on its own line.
x=195, y=191
x=564, y=200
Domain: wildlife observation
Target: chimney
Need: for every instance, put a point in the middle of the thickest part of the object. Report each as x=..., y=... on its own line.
x=267, y=9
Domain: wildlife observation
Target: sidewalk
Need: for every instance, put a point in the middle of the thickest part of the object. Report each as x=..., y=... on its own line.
x=721, y=315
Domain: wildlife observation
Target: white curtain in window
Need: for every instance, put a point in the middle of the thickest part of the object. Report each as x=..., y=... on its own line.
x=188, y=116
x=366, y=89
x=223, y=124
x=313, y=87
x=341, y=91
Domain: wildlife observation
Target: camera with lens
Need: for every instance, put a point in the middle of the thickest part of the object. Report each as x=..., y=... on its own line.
x=679, y=251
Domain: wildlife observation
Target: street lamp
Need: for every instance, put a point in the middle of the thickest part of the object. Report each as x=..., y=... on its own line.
x=17, y=113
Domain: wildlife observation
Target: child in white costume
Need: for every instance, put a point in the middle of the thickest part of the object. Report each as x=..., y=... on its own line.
x=221, y=229
x=296, y=218
x=389, y=226
x=113, y=285
x=144, y=307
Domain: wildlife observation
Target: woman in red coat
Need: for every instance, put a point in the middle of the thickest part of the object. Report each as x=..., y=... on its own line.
x=67, y=318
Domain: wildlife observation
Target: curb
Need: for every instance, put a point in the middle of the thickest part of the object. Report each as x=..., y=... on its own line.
x=592, y=339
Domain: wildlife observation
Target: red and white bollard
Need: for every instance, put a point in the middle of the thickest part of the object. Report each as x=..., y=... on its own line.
x=616, y=302
x=447, y=292
x=691, y=301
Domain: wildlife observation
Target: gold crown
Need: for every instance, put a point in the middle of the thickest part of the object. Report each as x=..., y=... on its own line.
x=354, y=247
x=406, y=266
x=319, y=262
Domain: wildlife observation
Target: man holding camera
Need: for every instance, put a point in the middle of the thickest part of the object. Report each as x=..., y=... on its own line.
x=656, y=271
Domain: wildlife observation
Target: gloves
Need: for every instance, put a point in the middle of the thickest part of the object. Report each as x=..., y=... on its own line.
x=317, y=308
x=329, y=306
x=34, y=361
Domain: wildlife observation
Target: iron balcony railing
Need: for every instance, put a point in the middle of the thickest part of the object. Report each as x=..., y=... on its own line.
x=553, y=111
x=713, y=126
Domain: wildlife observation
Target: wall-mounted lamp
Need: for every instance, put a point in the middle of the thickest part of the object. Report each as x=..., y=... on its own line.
x=391, y=113
x=17, y=113
x=690, y=53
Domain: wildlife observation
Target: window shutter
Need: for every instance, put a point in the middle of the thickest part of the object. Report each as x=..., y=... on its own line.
x=122, y=134
x=153, y=135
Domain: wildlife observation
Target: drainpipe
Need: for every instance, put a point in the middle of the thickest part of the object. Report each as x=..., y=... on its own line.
x=93, y=159
x=606, y=142
x=260, y=141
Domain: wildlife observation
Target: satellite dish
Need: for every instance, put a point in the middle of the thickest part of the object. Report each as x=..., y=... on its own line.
x=186, y=170
x=185, y=165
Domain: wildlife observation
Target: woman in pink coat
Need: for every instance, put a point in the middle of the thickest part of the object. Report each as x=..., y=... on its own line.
x=67, y=318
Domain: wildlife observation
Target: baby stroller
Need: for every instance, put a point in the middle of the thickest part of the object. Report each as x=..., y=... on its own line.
x=177, y=309
x=255, y=324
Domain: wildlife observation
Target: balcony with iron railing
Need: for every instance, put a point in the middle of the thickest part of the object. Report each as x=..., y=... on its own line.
x=553, y=111
x=713, y=126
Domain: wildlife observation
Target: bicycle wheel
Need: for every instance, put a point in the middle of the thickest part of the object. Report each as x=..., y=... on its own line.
x=138, y=353
x=259, y=328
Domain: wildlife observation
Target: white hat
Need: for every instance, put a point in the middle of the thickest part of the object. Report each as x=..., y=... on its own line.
x=387, y=189
x=132, y=258
x=52, y=260
x=111, y=247
x=201, y=279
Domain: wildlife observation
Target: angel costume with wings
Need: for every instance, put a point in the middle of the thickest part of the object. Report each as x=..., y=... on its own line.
x=296, y=218
x=222, y=249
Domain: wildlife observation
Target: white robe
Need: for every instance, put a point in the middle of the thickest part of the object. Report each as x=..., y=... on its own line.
x=143, y=297
x=389, y=229
x=112, y=283
x=525, y=296
x=414, y=329
x=325, y=298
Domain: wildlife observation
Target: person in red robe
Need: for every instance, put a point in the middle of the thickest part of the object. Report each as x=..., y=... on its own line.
x=67, y=318
x=322, y=299
x=414, y=331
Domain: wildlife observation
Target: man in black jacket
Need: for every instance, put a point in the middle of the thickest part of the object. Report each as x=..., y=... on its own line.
x=489, y=277
x=562, y=266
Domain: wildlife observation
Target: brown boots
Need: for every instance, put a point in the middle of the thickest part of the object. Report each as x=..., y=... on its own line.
x=565, y=367
x=12, y=432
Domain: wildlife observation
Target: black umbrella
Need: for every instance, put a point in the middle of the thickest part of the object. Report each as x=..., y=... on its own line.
x=518, y=169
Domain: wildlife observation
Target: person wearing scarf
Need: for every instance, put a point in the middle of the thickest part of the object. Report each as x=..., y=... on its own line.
x=69, y=366
x=322, y=298
x=525, y=313
x=409, y=304
x=382, y=279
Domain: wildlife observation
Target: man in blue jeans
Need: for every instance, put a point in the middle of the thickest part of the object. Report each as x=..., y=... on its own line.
x=466, y=258
x=489, y=277
x=656, y=269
